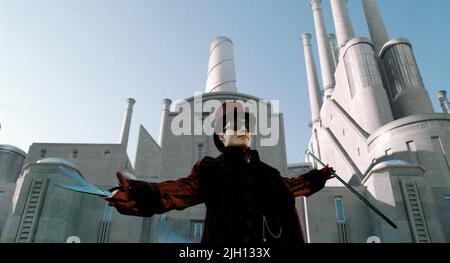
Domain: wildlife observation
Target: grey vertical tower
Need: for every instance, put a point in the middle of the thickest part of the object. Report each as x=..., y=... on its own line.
x=313, y=83
x=341, y=18
x=221, y=71
x=129, y=103
x=363, y=76
x=164, y=120
x=326, y=66
x=442, y=95
x=377, y=29
x=401, y=75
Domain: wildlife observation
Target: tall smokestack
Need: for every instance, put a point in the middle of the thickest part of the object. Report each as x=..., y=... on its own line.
x=442, y=95
x=377, y=29
x=221, y=71
x=342, y=22
x=129, y=103
x=326, y=66
x=164, y=120
x=333, y=49
x=313, y=83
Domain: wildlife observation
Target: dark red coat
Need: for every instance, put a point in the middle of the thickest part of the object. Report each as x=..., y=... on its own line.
x=246, y=200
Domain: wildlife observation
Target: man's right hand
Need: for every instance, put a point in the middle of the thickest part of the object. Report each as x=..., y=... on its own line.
x=120, y=199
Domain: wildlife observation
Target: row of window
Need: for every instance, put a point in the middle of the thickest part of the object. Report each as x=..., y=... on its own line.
x=106, y=154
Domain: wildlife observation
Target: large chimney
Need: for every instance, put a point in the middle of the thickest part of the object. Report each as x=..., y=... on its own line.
x=164, y=125
x=333, y=49
x=442, y=95
x=313, y=83
x=221, y=72
x=127, y=121
x=326, y=66
x=377, y=29
x=342, y=22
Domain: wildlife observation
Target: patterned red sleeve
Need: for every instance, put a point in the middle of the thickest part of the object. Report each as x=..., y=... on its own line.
x=306, y=184
x=158, y=198
x=181, y=193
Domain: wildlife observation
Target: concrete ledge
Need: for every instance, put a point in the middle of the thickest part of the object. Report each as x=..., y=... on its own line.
x=392, y=43
x=405, y=121
x=352, y=42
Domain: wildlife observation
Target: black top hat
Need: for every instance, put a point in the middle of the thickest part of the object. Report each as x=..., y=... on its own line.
x=230, y=110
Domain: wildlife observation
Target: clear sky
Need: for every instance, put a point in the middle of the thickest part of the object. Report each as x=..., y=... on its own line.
x=66, y=67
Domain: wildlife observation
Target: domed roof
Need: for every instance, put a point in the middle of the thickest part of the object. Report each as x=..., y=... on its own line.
x=13, y=149
x=57, y=160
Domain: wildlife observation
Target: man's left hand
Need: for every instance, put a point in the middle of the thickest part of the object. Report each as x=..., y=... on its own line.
x=328, y=172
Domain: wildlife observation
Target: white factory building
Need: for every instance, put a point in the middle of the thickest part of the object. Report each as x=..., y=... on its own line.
x=372, y=120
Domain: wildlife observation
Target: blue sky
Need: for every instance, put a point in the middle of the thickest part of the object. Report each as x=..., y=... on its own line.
x=66, y=67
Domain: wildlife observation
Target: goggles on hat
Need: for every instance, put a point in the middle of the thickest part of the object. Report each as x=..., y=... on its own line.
x=237, y=125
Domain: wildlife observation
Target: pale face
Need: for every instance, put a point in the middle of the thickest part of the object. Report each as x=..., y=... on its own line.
x=239, y=138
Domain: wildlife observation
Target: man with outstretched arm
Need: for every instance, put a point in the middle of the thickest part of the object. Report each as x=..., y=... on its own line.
x=247, y=201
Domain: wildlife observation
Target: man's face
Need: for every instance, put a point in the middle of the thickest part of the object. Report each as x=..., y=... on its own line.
x=236, y=134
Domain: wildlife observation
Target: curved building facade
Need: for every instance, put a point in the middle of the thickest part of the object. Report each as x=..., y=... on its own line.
x=380, y=132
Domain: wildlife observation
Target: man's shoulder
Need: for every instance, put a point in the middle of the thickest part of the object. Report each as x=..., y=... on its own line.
x=269, y=168
x=209, y=161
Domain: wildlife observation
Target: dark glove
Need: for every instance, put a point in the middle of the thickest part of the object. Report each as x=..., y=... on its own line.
x=121, y=198
x=134, y=197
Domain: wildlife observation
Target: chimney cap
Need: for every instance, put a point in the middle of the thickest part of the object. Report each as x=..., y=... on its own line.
x=306, y=35
x=218, y=40
x=442, y=93
x=166, y=104
x=221, y=38
x=167, y=101
x=130, y=101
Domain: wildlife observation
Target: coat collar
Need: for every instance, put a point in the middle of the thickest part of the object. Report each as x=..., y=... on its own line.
x=238, y=155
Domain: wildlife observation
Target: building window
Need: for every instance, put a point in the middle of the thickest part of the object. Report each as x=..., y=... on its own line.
x=107, y=153
x=438, y=147
x=412, y=151
x=200, y=151
x=75, y=153
x=339, y=209
x=359, y=153
x=107, y=213
x=388, y=152
x=197, y=228
x=350, y=72
x=43, y=153
x=343, y=132
x=447, y=202
x=1, y=197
